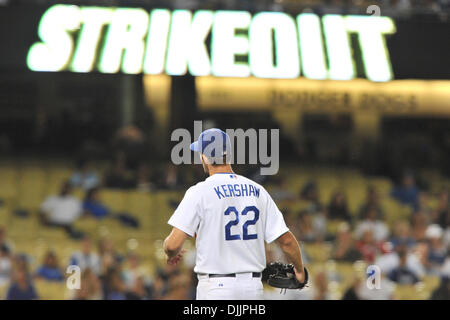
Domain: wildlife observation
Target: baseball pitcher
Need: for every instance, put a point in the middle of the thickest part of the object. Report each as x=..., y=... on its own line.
x=231, y=217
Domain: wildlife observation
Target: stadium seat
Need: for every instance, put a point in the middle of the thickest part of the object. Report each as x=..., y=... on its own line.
x=410, y=292
x=382, y=185
x=394, y=211
x=346, y=272
x=332, y=226
x=52, y=234
x=31, y=188
x=140, y=205
x=431, y=282
x=50, y=290
x=87, y=224
x=9, y=182
x=5, y=215
x=115, y=199
x=318, y=252
x=3, y=291
x=56, y=177
x=27, y=226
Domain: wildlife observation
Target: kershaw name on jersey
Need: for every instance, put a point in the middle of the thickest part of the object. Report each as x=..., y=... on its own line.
x=236, y=190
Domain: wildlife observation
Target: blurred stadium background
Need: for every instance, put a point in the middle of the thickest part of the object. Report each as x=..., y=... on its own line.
x=86, y=177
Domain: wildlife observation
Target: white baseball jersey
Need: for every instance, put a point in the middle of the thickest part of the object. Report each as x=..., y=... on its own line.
x=231, y=217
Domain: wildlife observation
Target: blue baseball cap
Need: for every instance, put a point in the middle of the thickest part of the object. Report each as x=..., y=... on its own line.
x=213, y=143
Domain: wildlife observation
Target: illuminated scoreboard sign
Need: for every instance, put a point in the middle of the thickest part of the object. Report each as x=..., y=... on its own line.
x=216, y=43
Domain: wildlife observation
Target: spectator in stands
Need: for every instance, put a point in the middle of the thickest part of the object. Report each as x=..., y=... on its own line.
x=443, y=291
x=106, y=249
x=310, y=192
x=352, y=292
x=21, y=261
x=280, y=190
x=178, y=287
x=402, y=235
x=158, y=288
x=114, y=286
x=378, y=227
x=442, y=215
x=171, y=180
x=119, y=177
x=423, y=205
x=446, y=237
x=302, y=226
x=130, y=145
x=138, y=284
x=21, y=287
x=344, y=246
x=132, y=269
x=367, y=246
x=5, y=265
x=92, y=206
x=162, y=278
x=86, y=258
x=420, y=251
x=4, y=242
x=392, y=261
x=337, y=208
x=312, y=227
x=437, y=251
x=372, y=202
x=139, y=290
x=107, y=262
x=321, y=286
x=320, y=222
x=90, y=288
x=408, y=192
x=62, y=210
x=49, y=270
x=402, y=273
x=84, y=176
x=143, y=180
x=419, y=224
x=6, y=260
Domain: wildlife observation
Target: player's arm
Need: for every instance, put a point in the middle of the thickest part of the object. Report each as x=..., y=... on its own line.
x=173, y=244
x=291, y=249
x=276, y=230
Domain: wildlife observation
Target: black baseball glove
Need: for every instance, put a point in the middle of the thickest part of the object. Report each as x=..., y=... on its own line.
x=280, y=275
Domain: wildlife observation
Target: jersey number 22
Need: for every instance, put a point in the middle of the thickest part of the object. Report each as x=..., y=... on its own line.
x=229, y=225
